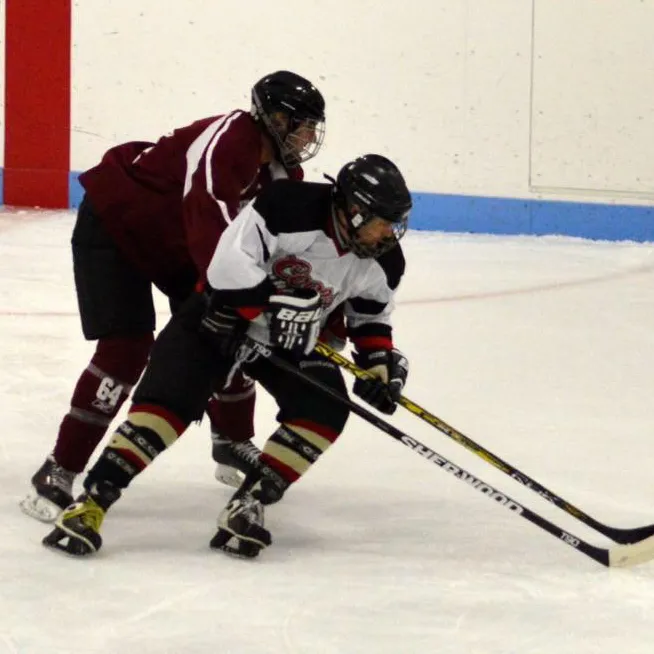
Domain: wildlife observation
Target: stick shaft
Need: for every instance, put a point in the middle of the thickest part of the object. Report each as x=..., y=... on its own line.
x=617, y=534
x=598, y=554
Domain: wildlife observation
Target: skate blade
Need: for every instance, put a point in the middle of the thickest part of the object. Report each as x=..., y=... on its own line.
x=39, y=508
x=235, y=546
x=71, y=544
x=228, y=475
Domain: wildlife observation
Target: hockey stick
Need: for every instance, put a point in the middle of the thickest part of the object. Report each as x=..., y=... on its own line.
x=623, y=536
x=617, y=556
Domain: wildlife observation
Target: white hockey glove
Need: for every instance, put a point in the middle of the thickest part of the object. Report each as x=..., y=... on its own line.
x=294, y=320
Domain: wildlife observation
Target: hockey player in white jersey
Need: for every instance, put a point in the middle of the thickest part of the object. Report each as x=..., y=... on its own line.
x=286, y=262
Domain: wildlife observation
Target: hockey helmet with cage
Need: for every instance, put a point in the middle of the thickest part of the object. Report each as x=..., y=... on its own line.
x=371, y=187
x=292, y=111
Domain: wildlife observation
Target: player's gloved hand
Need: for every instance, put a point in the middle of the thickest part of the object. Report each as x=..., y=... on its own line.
x=390, y=369
x=294, y=320
x=223, y=326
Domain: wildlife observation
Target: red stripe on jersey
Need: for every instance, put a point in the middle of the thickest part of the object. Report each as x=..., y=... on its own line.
x=373, y=343
x=250, y=313
x=37, y=111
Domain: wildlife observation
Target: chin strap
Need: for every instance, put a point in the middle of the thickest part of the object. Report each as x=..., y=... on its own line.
x=343, y=244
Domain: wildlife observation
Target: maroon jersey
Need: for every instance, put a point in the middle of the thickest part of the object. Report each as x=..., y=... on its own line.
x=165, y=204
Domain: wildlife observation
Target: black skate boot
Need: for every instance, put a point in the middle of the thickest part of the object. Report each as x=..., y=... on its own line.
x=241, y=530
x=77, y=529
x=234, y=460
x=52, y=491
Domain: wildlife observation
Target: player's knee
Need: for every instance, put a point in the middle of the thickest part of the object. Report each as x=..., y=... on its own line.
x=318, y=407
x=123, y=357
x=335, y=417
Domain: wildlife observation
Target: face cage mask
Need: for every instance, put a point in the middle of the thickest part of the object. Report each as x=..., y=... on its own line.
x=375, y=250
x=293, y=147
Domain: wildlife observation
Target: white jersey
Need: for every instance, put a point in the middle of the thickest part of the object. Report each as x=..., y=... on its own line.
x=284, y=239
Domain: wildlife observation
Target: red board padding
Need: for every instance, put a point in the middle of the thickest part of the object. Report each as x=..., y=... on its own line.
x=37, y=102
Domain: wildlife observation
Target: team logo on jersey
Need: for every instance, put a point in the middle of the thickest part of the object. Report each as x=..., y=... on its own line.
x=296, y=273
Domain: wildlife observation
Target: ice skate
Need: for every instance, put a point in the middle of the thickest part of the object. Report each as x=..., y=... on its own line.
x=51, y=493
x=77, y=530
x=233, y=460
x=241, y=530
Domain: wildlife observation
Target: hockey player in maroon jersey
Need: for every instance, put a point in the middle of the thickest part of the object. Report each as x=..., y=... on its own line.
x=282, y=267
x=152, y=214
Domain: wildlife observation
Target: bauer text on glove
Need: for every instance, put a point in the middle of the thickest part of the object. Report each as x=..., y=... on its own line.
x=294, y=320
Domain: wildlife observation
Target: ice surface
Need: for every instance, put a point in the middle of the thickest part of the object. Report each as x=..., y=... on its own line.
x=541, y=349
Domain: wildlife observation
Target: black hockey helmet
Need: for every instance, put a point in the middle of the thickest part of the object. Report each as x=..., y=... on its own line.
x=292, y=111
x=372, y=187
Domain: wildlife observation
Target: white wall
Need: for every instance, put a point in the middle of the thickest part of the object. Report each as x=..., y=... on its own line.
x=593, y=92
x=444, y=87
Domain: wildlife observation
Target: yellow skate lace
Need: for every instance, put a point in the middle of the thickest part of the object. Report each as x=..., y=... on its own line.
x=89, y=513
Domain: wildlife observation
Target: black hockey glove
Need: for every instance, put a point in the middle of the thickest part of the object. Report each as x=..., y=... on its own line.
x=390, y=368
x=223, y=326
x=294, y=320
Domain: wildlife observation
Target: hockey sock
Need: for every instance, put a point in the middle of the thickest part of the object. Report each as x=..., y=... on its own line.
x=147, y=432
x=295, y=447
x=231, y=411
x=99, y=394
